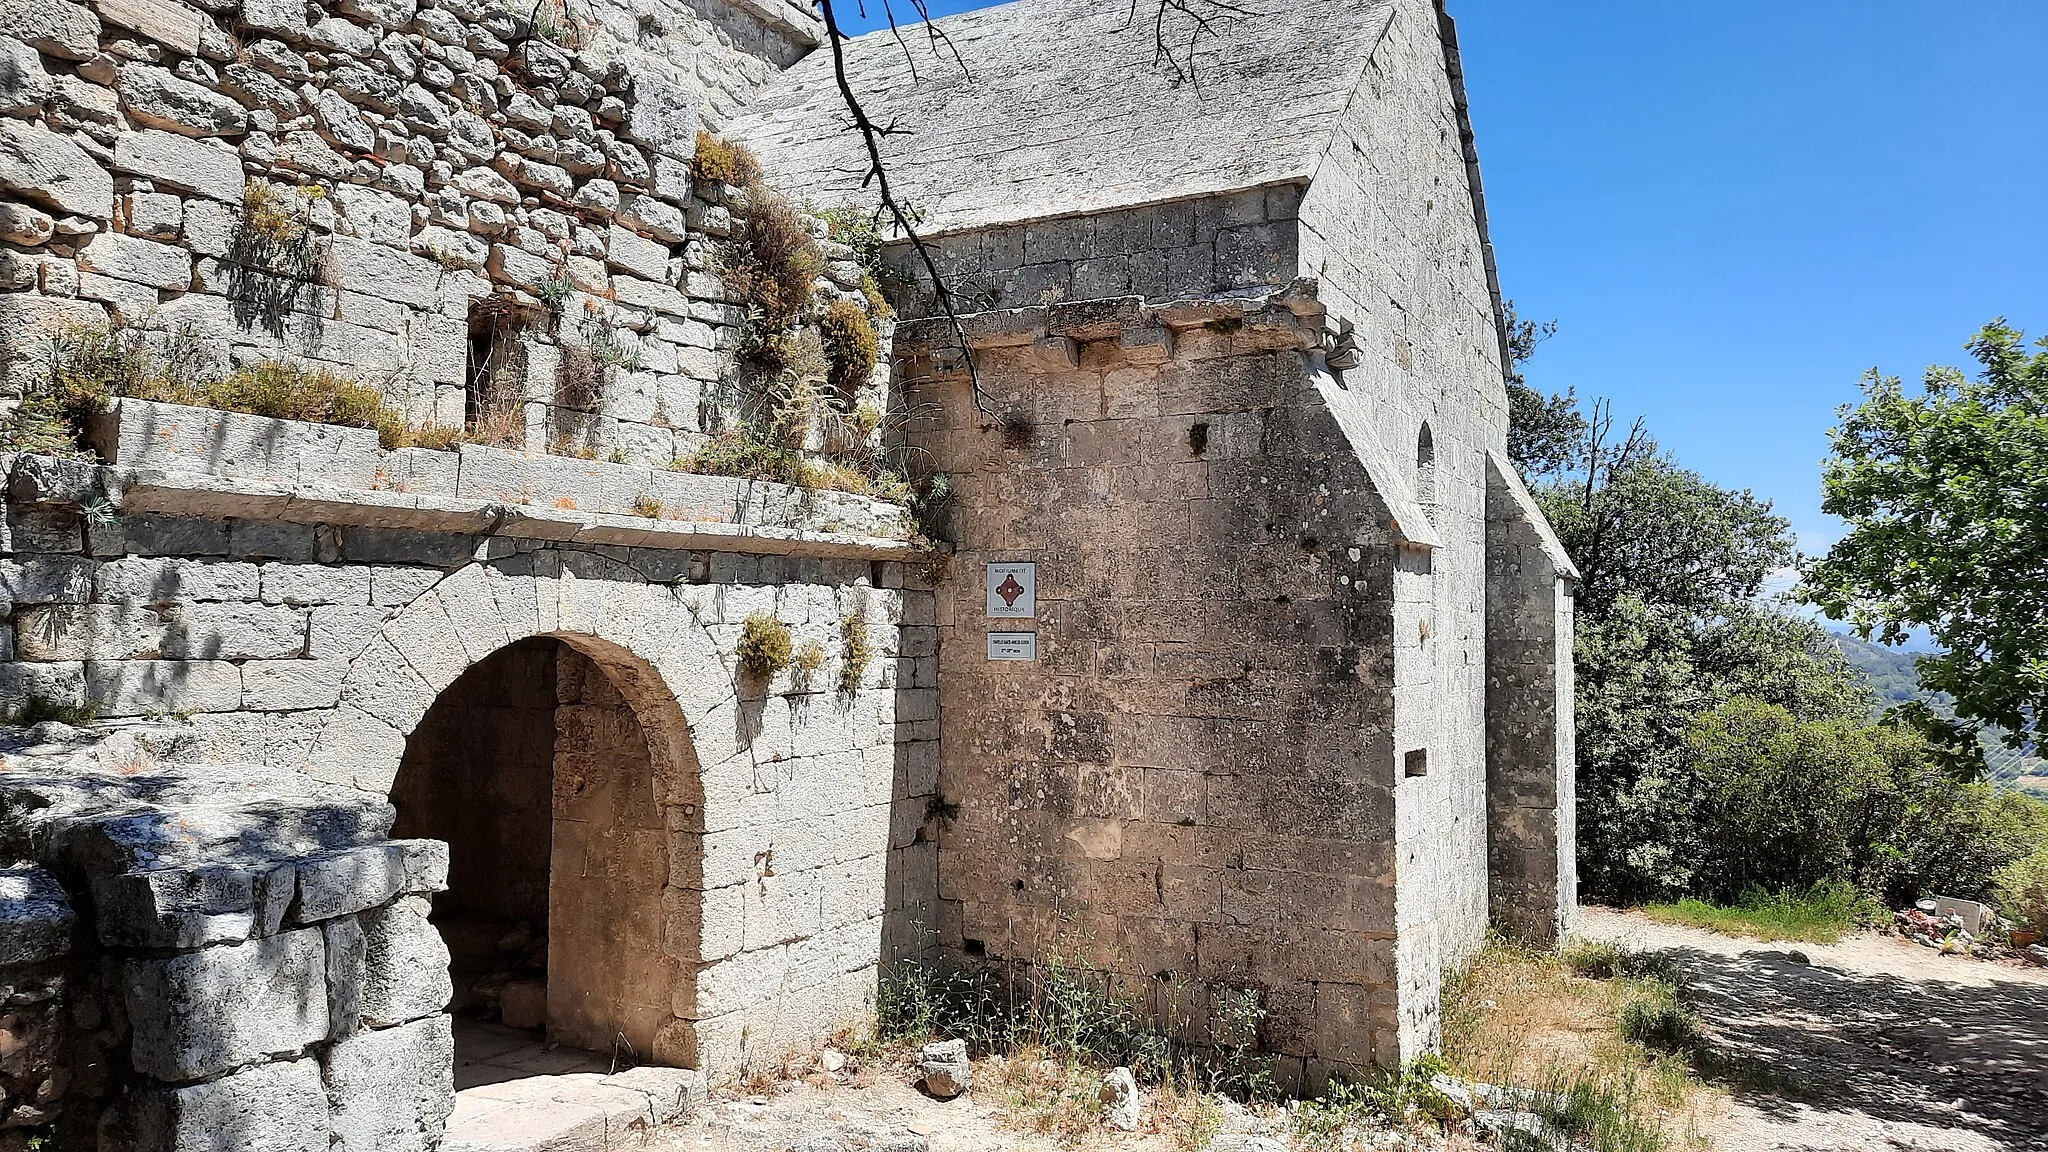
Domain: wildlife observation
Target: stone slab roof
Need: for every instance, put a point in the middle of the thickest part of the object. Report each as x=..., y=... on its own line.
x=1062, y=108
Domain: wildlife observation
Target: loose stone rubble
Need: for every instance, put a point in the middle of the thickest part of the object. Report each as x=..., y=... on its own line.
x=381, y=735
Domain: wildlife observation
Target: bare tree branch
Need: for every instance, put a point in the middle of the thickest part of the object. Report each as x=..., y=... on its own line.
x=878, y=175
x=1200, y=16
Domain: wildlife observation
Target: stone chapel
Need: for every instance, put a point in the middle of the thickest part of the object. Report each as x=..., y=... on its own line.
x=549, y=673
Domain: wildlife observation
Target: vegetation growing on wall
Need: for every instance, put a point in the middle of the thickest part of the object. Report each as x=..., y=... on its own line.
x=94, y=364
x=765, y=646
x=852, y=346
x=859, y=651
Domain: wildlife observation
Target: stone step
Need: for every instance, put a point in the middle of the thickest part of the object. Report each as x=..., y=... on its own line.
x=572, y=1112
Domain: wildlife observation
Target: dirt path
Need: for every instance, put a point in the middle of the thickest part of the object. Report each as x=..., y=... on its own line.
x=1883, y=1045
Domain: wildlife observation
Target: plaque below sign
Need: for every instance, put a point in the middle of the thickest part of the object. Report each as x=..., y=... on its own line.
x=1013, y=646
x=1013, y=590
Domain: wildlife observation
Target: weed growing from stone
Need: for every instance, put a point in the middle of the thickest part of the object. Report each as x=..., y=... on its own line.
x=859, y=652
x=805, y=664
x=37, y=709
x=718, y=162
x=765, y=646
x=647, y=506
x=852, y=346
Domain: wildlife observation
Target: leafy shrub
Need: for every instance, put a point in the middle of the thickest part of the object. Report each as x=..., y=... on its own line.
x=765, y=646
x=852, y=346
x=2023, y=889
x=718, y=161
x=1607, y=960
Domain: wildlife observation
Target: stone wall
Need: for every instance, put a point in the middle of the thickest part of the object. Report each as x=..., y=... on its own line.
x=1388, y=229
x=37, y=1069
x=419, y=195
x=288, y=604
x=256, y=969
x=1193, y=786
x=1530, y=786
x=1177, y=250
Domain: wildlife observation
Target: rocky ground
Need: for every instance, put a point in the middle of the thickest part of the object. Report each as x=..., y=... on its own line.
x=1871, y=1045
x=1874, y=1044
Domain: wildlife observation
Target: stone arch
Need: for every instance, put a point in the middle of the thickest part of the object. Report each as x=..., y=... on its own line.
x=650, y=646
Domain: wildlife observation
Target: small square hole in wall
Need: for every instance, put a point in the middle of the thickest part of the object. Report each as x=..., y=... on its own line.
x=1415, y=763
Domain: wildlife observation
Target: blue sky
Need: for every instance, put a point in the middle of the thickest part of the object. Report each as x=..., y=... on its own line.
x=1734, y=209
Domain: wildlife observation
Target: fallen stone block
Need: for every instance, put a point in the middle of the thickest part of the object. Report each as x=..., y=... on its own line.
x=943, y=1068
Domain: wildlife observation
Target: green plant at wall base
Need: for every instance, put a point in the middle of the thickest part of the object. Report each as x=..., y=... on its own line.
x=765, y=646
x=852, y=346
x=859, y=652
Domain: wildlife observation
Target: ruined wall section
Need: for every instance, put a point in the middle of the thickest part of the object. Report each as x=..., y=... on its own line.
x=1389, y=233
x=1175, y=250
x=406, y=193
x=1190, y=787
x=1530, y=734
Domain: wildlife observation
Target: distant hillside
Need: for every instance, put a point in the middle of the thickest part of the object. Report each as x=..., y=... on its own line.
x=1895, y=679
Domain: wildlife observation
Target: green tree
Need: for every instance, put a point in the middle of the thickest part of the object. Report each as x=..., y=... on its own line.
x=1546, y=434
x=1946, y=495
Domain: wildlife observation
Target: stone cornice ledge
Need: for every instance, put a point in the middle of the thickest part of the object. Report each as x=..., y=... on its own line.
x=150, y=490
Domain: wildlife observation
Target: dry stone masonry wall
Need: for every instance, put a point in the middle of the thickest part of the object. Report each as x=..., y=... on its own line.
x=467, y=203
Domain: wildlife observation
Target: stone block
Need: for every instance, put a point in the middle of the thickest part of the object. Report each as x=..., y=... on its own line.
x=175, y=908
x=175, y=161
x=276, y=1107
x=174, y=25
x=178, y=438
x=271, y=540
x=35, y=917
x=50, y=169
x=24, y=85
x=304, y=585
x=203, y=1013
x=162, y=580
x=405, y=964
x=27, y=322
x=290, y=685
x=62, y=29
x=46, y=580
x=391, y=1090
x=155, y=97
x=234, y=632
x=385, y=273
x=345, y=967
x=137, y=261
x=350, y=880
x=62, y=684
x=149, y=534
x=159, y=687
x=87, y=632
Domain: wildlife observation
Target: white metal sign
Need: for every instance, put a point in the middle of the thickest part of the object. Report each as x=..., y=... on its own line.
x=1013, y=646
x=1013, y=591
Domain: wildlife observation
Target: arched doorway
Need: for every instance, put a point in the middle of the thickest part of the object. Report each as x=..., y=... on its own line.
x=537, y=767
